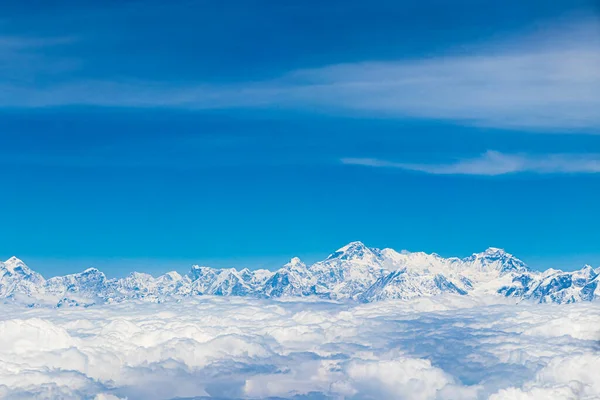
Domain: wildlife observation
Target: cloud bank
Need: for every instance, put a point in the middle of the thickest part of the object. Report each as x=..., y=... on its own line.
x=432, y=348
x=496, y=163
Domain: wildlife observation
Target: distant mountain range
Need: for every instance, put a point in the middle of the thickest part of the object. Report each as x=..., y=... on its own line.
x=354, y=272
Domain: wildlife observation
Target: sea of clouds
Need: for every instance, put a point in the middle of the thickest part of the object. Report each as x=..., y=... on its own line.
x=226, y=347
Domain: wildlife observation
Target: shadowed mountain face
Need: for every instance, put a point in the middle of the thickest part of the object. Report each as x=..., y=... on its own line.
x=353, y=272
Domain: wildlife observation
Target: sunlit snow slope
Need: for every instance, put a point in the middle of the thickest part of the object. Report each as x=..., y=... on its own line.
x=355, y=272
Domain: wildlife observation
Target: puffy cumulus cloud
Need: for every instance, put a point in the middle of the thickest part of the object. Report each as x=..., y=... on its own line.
x=106, y=397
x=236, y=348
x=403, y=377
x=569, y=377
x=562, y=392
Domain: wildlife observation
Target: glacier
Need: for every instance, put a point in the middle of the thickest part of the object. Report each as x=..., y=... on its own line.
x=354, y=272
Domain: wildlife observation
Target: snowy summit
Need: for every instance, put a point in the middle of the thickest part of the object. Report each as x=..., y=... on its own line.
x=353, y=272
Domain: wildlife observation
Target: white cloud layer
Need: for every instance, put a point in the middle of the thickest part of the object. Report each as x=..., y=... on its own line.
x=430, y=348
x=496, y=163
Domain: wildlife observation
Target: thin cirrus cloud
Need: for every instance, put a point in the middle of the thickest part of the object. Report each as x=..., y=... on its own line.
x=550, y=83
x=23, y=59
x=492, y=163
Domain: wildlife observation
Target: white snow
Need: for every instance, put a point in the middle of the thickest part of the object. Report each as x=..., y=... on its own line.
x=354, y=272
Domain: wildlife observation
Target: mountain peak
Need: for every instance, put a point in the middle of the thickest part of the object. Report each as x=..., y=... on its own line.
x=199, y=268
x=12, y=263
x=494, y=251
x=198, y=271
x=93, y=270
x=354, y=271
x=586, y=271
x=352, y=251
x=294, y=262
x=356, y=245
x=497, y=259
x=173, y=275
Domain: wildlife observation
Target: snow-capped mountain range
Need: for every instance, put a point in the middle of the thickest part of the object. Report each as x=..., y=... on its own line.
x=354, y=272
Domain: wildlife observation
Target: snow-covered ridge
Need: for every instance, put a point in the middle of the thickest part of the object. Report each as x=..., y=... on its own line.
x=354, y=272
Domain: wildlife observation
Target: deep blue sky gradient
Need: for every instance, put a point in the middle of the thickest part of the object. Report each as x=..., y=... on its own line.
x=154, y=189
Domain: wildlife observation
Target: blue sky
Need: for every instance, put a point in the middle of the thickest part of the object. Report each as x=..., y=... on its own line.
x=141, y=135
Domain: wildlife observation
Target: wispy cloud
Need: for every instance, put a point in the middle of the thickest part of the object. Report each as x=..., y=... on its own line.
x=551, y=83
x=556, y=89
x=495, y=163
x=25, y=59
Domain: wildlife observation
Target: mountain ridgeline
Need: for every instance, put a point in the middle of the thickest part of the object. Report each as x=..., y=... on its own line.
x=355, y=272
